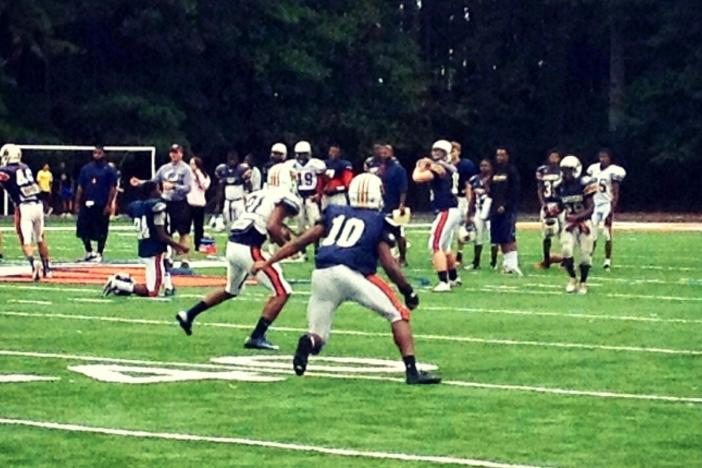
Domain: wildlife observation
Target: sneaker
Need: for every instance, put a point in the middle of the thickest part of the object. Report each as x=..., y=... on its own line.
x=472, y=267
x=94, y=258
x=572, y=286
x=455, y=283
x=582, y=289
x=109, y=288
x=260, y=343
x=442, y=287
x=184, y=322
x=185, y=265
x=89, y=256
x=423, y=378
x=302, y=354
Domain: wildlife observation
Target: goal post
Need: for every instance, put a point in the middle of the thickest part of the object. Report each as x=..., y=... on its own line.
x=150, y=150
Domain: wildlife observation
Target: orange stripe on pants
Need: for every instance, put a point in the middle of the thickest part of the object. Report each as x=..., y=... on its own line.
x=387, y=290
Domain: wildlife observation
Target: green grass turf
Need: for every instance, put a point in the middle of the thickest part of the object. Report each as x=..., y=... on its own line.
x=656, y=276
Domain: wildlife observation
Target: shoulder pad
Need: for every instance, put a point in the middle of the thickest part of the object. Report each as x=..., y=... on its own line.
x=158, y=207
x=221, y=170
x=618, y=173
x=592, y=168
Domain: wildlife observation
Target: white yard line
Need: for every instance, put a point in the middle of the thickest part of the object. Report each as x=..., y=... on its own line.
x=514, y=289
x=458, y=383
x=459, y=339
x=28, y=301
x=289, y=446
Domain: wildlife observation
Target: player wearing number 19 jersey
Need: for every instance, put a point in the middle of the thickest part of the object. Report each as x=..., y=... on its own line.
x=354, y=239
x=263, y=216
x=308, y=172
x=18, y=181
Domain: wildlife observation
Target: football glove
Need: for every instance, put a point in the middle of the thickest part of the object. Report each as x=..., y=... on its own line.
x=411, y=298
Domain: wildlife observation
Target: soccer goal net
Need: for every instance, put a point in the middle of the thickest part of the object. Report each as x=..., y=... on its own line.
x=65, y=161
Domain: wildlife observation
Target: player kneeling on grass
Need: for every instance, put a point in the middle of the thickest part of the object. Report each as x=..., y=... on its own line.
x=355, y=238
x=263, y=216
x=17, y=180
x=151, y=221
x=575, y=197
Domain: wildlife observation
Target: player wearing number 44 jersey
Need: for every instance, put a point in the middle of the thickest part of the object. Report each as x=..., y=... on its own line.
x=17, y=180
x=263, y=216
x=354, y=239
x=151, y=221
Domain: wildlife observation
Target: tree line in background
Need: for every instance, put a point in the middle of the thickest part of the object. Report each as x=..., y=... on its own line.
x=215, y=74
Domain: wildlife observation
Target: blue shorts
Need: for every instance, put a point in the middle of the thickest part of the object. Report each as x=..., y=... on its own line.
x=503, y=228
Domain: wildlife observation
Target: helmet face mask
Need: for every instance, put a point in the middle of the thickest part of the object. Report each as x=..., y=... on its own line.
x=279, y=152
x=441, y=150
x=366, y=191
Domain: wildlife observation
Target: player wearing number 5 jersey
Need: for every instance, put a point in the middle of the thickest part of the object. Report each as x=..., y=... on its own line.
x=354, y=239
x=263, y=217
x=151, y=221
x=18, y=181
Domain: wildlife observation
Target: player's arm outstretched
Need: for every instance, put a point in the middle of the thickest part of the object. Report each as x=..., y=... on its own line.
x=290, y=248
x=392, y=269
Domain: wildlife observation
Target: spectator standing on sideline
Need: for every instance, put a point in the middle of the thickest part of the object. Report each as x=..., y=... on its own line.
x=504, y=191
x=395, y=183
x=337, y=178
x=65, y=190
x=256, y=179
x=97, y=188
x=176, y=179
x=197, y=199
x=45, y=180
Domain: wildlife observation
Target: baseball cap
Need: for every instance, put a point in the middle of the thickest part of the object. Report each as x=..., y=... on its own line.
x=175, y=147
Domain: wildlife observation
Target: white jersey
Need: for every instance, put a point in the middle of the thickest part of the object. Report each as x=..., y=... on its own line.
x=307, y=175
x=605, y=178
x=281, y=175
x=259, y=208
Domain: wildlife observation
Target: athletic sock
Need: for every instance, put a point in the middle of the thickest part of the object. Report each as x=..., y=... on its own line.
x=608, y=250
x=443, y=276
x=410, y=365
x=493, y=255
x=568, y=263
x=477, y=252
x=167, y=281
x=547, y=251
x=196, y=310
x=261, y=328
x=452, y=274
x=584, y=270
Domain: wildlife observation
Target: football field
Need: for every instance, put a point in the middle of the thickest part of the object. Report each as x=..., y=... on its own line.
x=532, y=376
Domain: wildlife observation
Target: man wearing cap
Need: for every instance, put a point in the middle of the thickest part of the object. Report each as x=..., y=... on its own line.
x=176, y=179
x=96, y=191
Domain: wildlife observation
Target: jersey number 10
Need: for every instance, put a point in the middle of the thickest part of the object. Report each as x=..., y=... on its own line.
x=344, y=232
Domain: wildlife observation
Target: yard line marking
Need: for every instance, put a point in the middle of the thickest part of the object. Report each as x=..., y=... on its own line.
x=90, y=300
x=22, y=378
x=340, y=452
x=511, y=290
x=458, y=383
x=460, y=339
x=27, y=301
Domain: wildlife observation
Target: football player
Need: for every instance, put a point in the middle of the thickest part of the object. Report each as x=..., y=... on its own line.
x=18, y=181
x=374, y=163
x=337, y=178
x=438, y=172
x=609, y=177
x=151, y=222
x=308, y=172
x=575, y=196
x=479, y=201
x=280, y=172
x=233, y=177
x=465, y=169
x=263, y=217
x=548, y=178
x=354, y=239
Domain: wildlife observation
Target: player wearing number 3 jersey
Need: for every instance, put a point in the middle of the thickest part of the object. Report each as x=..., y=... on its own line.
x=353, y=239
x=263, y=217
x=17, y=180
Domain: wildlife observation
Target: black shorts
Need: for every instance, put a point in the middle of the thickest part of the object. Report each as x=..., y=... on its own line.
x=92, y=223
x=503, y=228
x=179, y=215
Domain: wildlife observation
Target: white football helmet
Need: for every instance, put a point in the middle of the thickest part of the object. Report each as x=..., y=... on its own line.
x=366, y=191
x=443, y=145
x=303, y=147
x=281, y=149
x=10, y=154
x=466, y=233
x=573, y=163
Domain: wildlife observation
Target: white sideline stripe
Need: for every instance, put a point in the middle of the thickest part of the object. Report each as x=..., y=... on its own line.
x=28, y=301
x=459, y=383
x=90, y=300
x=341, y=452
x=512, y=289
x=23, y=378
x=461, y=339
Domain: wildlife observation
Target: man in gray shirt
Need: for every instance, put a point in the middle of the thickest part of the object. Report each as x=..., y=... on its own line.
x=176, y=179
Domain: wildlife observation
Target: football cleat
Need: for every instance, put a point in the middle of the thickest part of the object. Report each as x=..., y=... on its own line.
x=607, y=264
x=302, y=354
x=455, y=283
x=184, y=322
x=572, y=286
x=423, y=378
x=109, y=288
x=512, y=271
x=260, y=343
x=169, y=292
x=442, y=287
x=582, y=289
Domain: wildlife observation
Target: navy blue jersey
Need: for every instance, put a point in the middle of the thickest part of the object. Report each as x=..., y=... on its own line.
x=571, y=194
x=395, y=181
x=548, y=179
x=442, y=193
x=465, y=169
x=505, y=187
x=97, y=179
x=147, y=215
x=352, y=236
x=373, y=165
x=18, y=181
x=480, y=191
x=232, y=177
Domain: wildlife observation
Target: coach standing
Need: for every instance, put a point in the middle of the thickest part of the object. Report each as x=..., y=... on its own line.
x=176, y=179
x=504, y=191
x=395, y=182
x=96, y=191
